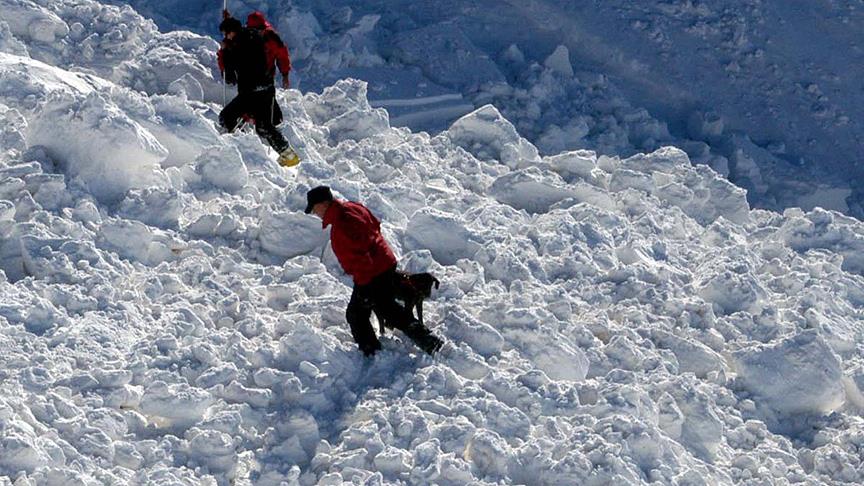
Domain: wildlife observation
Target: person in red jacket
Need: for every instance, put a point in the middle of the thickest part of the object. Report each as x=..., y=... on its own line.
x=361, y=249
x=277, y=52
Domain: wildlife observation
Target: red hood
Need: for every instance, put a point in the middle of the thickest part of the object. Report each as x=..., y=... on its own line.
x=256, y=20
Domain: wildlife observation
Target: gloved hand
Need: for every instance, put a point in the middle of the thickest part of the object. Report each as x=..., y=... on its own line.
x=285, y=82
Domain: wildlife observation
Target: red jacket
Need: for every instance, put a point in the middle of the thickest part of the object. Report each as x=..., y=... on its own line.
x=275, y=48
x=357, y=241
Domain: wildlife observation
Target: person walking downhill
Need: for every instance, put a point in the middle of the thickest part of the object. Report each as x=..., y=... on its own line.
x=248, y=58
x=363, y=253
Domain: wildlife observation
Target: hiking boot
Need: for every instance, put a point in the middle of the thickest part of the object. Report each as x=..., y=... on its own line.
x=370, y=349
x=288, y=158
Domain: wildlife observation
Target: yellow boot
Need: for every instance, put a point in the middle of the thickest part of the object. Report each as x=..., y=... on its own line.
x=288, y=158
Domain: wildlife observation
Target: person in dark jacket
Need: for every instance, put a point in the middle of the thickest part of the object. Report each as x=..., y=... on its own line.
x=248, y=59
x=361, y=249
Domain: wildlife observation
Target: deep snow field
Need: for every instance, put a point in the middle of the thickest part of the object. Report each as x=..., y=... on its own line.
x=767, y=93
x=171, y=317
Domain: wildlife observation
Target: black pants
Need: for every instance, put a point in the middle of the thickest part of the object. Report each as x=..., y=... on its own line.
x=261, y=106
x=378, y=296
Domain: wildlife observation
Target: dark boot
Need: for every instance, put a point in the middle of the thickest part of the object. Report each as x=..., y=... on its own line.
x=422, y=337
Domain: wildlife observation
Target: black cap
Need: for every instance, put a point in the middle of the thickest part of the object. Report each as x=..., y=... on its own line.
x=230, y=25
x=317, y=195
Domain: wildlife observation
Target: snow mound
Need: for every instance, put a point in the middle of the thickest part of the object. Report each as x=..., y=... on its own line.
x=97, y=145
x=114, y=42
x=486, y=134
x=800, y=375
x=531, y=190
x=91, y=139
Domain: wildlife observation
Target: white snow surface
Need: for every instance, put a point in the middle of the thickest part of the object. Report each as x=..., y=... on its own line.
x=766, y=93
x=171, y=317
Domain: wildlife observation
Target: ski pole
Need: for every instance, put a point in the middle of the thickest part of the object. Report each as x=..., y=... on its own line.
x=224, y=87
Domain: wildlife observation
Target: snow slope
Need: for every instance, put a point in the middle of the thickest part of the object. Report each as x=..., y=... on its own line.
x=764, y=92
x=170, y=316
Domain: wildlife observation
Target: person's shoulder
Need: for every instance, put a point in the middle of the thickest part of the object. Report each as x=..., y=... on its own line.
x=353, y=211
x=270, y=35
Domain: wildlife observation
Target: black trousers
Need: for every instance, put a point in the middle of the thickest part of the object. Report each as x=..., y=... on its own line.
x=262, y=107
x=378, y=296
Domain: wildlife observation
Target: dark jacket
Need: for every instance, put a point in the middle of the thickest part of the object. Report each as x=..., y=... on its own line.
x=357, y=241
x=244, y=61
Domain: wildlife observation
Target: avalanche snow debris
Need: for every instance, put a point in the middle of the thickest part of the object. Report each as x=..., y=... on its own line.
x=166, y=318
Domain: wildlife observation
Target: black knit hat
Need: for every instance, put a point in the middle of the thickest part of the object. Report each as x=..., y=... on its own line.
x=230, y=25
x=317, y=195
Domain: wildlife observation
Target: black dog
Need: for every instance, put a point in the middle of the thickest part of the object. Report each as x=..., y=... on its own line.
x=412, y=289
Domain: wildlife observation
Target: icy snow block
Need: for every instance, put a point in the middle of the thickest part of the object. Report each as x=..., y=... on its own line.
x=223, y=167
x=98, y=145
x=168, y=69
x=443, y=234
x=178, y=404
x=665, y=159
x=487, y=135
x=530, y=189
x=730, y=291
x=462, y=327
x=692, y=356
x=27, y=20
x=289, y=234
x=556, y=139
x=357, y=125
x=582, y=163
x=447, y=56
x=7, y=210
x=135, y=241
x=345, y=110
x=9, y=43
x=13, y=126
x=186, y=85
x=553, y=353
x=156, y=206
x=212, y=448
x=488, y=452
x=345, y=96
x=559, y=61
x=724, y=199
x=21, y=453
x=800, y=375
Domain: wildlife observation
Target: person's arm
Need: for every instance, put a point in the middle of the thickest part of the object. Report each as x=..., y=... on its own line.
x=279, y=52
x=226, y=63
x=224, y=57
x=283, y=60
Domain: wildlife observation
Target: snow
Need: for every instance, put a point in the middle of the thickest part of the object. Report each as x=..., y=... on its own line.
x=617, y=314
x=617, y=78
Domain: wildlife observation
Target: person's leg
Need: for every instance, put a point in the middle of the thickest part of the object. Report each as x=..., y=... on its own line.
x=265, y=112
x=396, y=317
x=357, y=314
x=230, y=116
x=275, y=112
